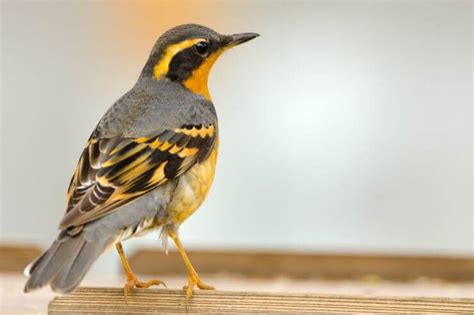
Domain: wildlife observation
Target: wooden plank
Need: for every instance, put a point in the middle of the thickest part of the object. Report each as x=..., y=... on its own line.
x=155, y=301
x=14, y=258
x=308, y=266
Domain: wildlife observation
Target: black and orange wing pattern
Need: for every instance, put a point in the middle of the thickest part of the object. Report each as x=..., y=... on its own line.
x=114, y=171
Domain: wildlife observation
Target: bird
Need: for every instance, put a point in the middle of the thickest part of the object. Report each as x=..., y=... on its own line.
x=147, y=166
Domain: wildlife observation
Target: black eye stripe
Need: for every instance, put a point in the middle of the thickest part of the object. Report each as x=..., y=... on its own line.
x=185, y=61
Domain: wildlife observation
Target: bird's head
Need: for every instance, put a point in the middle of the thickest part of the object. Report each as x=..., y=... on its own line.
x=185, y=54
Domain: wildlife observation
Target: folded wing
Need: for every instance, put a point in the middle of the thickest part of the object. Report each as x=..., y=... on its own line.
x=114, y=171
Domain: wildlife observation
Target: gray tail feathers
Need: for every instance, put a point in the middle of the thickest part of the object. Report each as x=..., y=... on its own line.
x=64, y=264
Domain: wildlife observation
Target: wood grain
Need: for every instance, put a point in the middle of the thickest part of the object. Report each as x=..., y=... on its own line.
x=14, y=258
x=308, y=266
x=157, y=301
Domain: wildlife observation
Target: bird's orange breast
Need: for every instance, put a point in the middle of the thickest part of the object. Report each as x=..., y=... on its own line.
x=192, y=189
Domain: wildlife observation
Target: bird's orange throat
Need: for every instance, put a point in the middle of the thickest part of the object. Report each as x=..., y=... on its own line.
x=197, y=82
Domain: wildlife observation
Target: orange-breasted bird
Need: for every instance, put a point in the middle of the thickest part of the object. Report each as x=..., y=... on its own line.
x=148, y=164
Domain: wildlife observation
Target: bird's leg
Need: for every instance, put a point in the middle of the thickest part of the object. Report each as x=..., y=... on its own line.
x=193, y=277
x=132, y=280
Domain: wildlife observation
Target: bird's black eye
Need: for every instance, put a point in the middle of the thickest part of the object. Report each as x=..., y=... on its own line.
x=202, y=47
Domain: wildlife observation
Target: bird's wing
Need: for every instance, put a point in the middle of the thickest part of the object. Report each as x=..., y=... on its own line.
x=114, y=171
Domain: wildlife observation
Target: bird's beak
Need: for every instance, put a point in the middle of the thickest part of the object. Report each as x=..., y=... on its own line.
x=237, y=39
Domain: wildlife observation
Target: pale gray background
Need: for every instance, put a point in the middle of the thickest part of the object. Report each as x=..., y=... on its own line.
x=345, y=127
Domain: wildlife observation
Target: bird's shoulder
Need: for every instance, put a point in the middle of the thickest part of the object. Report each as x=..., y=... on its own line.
x=152, y=107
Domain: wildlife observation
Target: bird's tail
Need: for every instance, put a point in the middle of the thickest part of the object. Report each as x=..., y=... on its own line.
x=65, y=263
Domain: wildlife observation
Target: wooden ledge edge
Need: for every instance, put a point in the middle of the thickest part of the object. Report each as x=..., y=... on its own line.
x=152, y=301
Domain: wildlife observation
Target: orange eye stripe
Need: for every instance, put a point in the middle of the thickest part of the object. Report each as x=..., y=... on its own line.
x=162, y=67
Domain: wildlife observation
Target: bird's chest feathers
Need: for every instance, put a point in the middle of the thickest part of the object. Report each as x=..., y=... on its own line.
x=192, y=189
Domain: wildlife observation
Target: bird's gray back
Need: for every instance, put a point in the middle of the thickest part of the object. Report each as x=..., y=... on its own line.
x=151, y=107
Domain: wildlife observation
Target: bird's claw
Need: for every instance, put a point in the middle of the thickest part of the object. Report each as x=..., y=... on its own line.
x=133, y=282
x=194, y=280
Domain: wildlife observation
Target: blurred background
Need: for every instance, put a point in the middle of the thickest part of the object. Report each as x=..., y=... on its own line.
x=345, y=128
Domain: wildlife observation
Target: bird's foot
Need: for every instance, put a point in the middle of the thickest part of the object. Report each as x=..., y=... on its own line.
x=133, y=282
x=194, y=280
